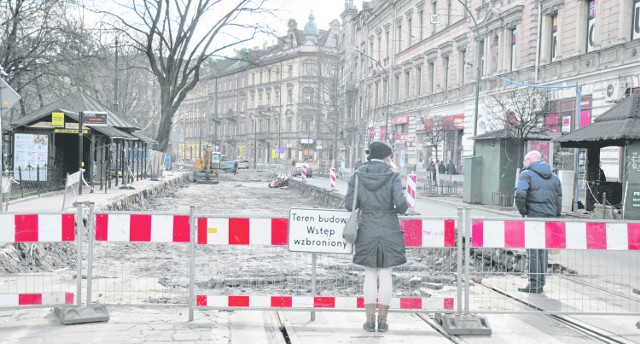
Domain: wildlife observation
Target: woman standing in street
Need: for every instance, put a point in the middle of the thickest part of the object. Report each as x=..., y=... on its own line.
x=380, y=243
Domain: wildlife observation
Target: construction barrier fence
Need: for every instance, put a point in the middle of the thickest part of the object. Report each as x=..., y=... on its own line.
x=211, y=261
x=32, y=238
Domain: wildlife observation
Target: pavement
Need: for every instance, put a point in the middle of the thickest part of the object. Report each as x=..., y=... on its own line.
x=129, y=324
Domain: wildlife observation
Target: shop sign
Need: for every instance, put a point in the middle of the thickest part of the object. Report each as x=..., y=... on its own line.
x=401, y=120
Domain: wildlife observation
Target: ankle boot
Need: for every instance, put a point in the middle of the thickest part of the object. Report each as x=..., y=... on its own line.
x=370, y=325
x=382, y=318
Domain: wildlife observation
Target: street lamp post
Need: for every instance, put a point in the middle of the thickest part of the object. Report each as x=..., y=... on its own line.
x=386, y=123
x=255, y=145
x=478, y=73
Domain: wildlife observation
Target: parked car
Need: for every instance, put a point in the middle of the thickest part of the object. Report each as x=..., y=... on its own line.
x=243, y=164
x=298, y=170
x=227, y=166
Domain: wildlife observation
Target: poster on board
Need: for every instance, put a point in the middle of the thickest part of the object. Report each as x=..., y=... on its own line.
x=31, y=151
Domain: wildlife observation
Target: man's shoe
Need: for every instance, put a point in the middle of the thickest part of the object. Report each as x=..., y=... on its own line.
x=529, y=289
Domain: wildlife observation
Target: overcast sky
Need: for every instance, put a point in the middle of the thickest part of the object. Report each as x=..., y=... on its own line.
x=324, y=10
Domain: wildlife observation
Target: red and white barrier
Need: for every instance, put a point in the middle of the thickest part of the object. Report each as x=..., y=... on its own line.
x=303, y=173
x=142, y=227
x=318, y=302
x=243, y=231
x=412, y=182
x=274, y=231
x=429, y=233
x=556, y=235
x=37, y=227
x=36, y=299
x=332, y=178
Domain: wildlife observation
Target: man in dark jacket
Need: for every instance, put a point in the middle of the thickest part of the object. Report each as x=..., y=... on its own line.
x=451, y=168
x=538, y=194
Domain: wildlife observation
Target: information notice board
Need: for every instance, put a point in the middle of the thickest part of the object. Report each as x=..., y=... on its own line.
x=318, y=231
x=31, y=151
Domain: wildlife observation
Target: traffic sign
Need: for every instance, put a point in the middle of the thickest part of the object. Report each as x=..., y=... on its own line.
x=318, y=231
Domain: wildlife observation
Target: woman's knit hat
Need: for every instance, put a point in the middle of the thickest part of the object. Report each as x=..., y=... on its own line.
x=378, y=150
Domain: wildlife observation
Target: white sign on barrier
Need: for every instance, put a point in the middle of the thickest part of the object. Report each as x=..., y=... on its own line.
x=318, y=231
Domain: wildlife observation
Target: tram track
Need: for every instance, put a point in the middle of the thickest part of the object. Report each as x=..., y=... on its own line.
x=590, y=331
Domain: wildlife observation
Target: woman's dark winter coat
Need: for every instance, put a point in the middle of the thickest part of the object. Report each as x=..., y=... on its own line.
x=380, y=242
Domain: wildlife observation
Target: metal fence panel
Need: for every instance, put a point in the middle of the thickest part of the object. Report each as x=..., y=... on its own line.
x=592, y=266
x=244, y=263
x=34, y=238
x=141, y=259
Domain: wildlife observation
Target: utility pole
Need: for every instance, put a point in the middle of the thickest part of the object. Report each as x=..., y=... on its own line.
x=478, y=72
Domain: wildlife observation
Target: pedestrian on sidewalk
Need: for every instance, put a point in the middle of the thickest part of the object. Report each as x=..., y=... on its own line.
x=380, y=243
x=538, y=194
x=432, y=172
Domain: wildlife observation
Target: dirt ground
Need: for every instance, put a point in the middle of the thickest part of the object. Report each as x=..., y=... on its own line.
x=246, y=193
x=138, y=273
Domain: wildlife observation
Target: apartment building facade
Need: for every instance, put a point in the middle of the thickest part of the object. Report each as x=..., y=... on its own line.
x=268, y=105
x=417, y=59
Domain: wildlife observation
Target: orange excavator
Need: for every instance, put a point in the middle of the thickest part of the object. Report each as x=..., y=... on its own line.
x=206, y=169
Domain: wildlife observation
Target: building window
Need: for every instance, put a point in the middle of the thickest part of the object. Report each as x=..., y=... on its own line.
x=407, y=80
x=386, y=38
x=410, y=32
x=445, y=72
x=434, y=10
x=307, y=95
x=396, y=92
x=385, y=88
x=371, y=47
x=430, y=77
x=554, y=36
x=290, y=71
x=591, y=26
x=399, y=38
x=448, y=12
x=376, y=94
x=514, y=51
x=482, y=56
x=636, y=20
x=260, y=76
x=380, y=46
x=418, y=80
x=277, y=77
x=289, y=96
x=310, y=68
x=461, y=66
x=421, y=23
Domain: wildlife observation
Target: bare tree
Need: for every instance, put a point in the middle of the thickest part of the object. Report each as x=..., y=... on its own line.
x=435, y=129
x=332, y=100
x=177, y=37
x=42, y=45
x=520, y=114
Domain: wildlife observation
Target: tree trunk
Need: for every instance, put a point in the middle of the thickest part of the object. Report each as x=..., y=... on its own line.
x=166, y=119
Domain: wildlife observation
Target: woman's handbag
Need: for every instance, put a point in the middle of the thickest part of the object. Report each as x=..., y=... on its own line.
x=350, y=231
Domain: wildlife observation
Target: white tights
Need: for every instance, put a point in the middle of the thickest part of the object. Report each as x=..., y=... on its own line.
x=371, y=289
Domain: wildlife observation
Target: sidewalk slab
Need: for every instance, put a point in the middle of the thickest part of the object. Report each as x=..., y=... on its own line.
x=52, y=202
